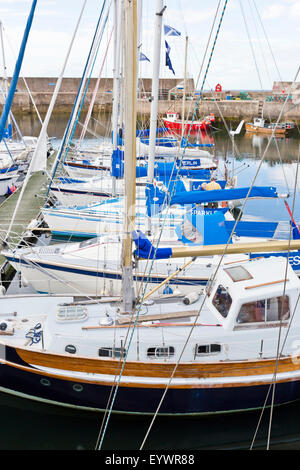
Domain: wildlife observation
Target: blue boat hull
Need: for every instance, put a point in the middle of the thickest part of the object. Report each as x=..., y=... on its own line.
x=45, y=387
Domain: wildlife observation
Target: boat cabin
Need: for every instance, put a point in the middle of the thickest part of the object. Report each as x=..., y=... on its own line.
x=259, y=122
x=250, y=294
x=172, y=116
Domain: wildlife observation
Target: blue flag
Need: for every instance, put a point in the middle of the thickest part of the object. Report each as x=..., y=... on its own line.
x=143, y=57
x=168, y=60
x=169, y=31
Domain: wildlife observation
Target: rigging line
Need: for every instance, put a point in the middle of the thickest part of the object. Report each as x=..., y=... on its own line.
x=193, y=118
x=34, y=264
x=213, y=277
x=95, y=92
x=251, y=45
x=259, y=42
x=281, y=161
x=205, y=52
x=13, y=119
x=284, y=289
x=137, y=315
x=183, y=153
x=271, y=51
x=95, y=53
x=261, y=51
x=76, y=103
x=270, y=386
x=90, y=131
x=209, y=38
x=24, y=80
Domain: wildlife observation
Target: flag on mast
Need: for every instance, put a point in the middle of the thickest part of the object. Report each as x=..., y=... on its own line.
x=144, y=57
x=169, y=31
x=168, y=60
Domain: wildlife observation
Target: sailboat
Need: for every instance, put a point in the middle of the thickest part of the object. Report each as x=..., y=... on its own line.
x=92, y=267
x=219, y=353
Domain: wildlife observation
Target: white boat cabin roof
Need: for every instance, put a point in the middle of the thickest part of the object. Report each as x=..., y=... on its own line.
x=252, y=286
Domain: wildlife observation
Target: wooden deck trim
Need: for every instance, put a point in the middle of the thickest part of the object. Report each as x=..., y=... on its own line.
x=145, y=385
x=157, y=369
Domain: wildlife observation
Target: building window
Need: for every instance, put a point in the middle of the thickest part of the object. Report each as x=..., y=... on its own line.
x=112, y=352
x=205, y=349
x=265, y=311
x=159, y=352
x=222, y=301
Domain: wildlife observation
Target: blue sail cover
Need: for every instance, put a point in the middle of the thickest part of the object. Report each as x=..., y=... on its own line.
x=117, y=164
x=157, y=199
x=14, y=80
x=145, y=249
x=203, y=228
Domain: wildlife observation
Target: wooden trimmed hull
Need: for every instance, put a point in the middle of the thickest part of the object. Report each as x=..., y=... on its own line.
x=197, y=388
x=264, y=130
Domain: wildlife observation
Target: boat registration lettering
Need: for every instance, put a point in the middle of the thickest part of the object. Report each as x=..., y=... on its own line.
x=294, y=260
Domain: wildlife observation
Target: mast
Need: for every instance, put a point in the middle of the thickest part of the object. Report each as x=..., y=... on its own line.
x=184, y=86
x=154, y=96
x=130, y=64
x=39, y=157
x=116, y=78
x=5, y=79
x=8, y=102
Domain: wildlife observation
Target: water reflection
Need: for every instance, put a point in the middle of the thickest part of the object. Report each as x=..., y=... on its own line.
x=30, y=425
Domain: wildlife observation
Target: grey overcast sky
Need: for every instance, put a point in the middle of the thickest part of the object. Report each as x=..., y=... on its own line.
x=242, y=57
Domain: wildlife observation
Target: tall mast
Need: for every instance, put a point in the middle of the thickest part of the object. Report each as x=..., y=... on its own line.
x=184, y=85
x=130, y=95
x=116, y=78
x=154, y=95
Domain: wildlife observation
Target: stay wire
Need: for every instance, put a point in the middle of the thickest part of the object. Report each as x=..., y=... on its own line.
x=284, y=289
x=194, y=115
x=278, y=354
x=218, y=266
x=137, y=314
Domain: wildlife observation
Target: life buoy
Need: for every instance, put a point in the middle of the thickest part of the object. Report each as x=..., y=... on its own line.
x=224, y=204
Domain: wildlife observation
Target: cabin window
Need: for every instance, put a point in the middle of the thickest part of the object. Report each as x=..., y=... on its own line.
x=222, y=301
x=161, y=352
x=205, y=349
x=265, y=311
x=112, y=352
x=238, y=273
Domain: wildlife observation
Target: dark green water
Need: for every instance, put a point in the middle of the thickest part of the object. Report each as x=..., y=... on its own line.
x=33, y=426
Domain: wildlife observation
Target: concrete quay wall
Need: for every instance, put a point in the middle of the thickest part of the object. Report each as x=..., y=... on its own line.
x=42, y=89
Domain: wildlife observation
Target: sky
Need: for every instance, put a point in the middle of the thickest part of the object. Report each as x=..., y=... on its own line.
x=258, y=41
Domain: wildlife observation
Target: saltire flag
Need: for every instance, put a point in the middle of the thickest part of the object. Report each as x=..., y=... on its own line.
x=169, y=31
x=168, y=60
x=143, y=57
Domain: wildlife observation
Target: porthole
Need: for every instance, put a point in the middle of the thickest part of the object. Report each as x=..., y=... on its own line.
x=205, y=349
x=45, y=382
x=70, y=348
x=77, y=387
x=161, y=352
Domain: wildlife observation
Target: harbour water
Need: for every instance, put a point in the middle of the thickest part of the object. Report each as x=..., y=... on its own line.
x=38, y=426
